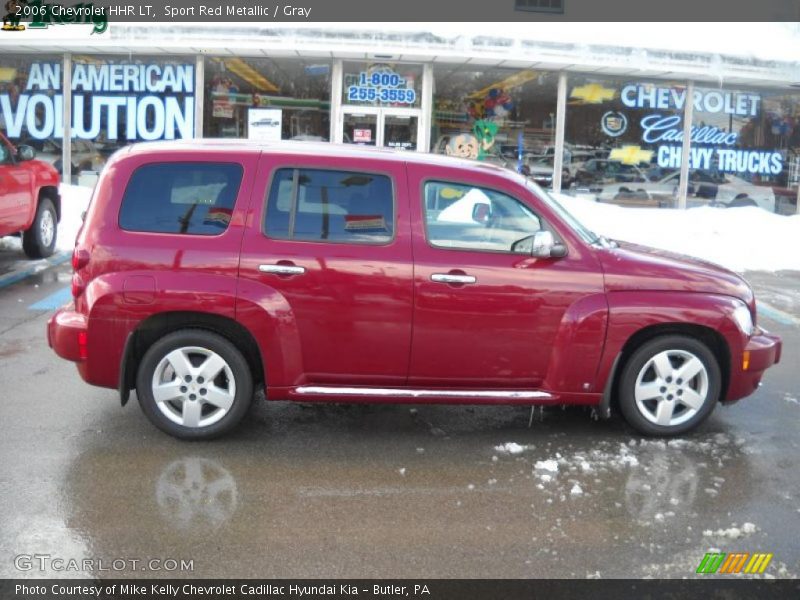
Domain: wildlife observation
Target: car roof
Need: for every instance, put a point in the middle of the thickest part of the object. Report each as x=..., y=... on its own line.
x=239, y=146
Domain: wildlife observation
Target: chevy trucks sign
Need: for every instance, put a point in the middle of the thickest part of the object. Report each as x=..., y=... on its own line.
x=720, y=149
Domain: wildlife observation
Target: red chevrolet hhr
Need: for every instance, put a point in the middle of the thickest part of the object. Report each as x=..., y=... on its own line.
x=339, y=274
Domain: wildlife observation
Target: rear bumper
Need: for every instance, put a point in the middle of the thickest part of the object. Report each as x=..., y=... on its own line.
x=761, y=352
x=67, y=334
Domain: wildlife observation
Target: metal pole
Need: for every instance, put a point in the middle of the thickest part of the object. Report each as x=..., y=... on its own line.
x=199, y=94
x=66, y=140
x=336, y=102
x=426, y=119
x=688, y=113
x=561, y=110
x=797, y=207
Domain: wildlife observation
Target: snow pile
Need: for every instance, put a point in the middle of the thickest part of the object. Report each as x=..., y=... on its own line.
x=74, y=201
x=732, y=532
x=547, y=465
x=614, y=458
x=741, y=239
x=510, y=448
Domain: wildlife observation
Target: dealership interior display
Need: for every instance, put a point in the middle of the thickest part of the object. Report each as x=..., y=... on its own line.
x=622, y=135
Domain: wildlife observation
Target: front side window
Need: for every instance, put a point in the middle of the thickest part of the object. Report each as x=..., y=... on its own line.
x=184, y=198
x=330, y=206
x=468, y=217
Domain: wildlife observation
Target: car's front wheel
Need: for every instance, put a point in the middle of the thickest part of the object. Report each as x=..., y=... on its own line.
x=194, y=384
x=669, y=385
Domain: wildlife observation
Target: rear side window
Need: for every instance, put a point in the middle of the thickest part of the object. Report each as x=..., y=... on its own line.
x=330, y=206
x=188, y=198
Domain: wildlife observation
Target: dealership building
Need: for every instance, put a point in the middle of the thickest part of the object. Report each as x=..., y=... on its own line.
x=602, y=109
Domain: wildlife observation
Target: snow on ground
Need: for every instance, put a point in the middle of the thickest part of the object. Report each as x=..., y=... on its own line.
x=74, y=201
x=790, y=399
x=732, y=532
x=741, y=239
x=510, y=448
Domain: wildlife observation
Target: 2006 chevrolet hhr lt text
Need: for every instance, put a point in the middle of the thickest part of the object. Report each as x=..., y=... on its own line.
x=338, y=274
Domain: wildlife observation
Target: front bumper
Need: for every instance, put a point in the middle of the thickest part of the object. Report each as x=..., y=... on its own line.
x=67, y=334
x=761, y=352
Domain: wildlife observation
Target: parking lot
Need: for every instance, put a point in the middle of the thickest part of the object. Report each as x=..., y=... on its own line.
x=401, y=491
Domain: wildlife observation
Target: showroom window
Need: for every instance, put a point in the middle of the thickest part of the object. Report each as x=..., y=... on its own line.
x=615, y=131
x=267, y=99
x=467, y=217
x=382, y=84
x=745, y=148
x=187, y=198
x=31, y=103
x=503, y=116
x=330, y=206
x=119, y=100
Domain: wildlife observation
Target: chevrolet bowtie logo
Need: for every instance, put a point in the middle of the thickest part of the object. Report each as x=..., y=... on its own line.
x=631, y=155
x=592, y=93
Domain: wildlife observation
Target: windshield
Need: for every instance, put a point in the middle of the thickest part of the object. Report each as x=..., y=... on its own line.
x=586, y=235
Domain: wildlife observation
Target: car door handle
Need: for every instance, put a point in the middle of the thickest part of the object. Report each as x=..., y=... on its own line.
x=282, y=269
x=453, y=278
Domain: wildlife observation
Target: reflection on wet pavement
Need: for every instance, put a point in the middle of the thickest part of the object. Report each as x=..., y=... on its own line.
x=196, y=492
x=431, y=491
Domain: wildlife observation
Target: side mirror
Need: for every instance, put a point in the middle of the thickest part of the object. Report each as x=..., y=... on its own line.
x=545, y=246
x=26, y=152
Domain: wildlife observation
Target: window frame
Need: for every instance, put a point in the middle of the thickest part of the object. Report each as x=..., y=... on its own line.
x=546, y=226
x=181, y=162
x=296, y=168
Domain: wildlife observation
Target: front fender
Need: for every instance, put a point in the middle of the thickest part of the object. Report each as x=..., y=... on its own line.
x=632, y=312
x=578, y=346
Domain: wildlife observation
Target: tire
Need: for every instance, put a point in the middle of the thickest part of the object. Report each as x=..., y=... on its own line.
x=40, y=240
x=185, y=409
x=650, y=395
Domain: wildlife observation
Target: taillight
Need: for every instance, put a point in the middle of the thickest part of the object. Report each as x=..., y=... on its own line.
x=77, y=285
x=83, y=343
x=80, y=258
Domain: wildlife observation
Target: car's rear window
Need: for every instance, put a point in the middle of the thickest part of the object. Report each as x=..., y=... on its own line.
x=194, y=198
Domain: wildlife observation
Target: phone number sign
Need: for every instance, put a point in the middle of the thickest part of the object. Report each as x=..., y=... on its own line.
x=384, y=87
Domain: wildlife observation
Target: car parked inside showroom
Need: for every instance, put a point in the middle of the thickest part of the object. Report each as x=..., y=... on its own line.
x=327, y=273
x=705, y=187
x=30, y=204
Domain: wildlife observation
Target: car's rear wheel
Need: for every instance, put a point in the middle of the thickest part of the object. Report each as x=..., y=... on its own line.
x=669, y=385
x=194, y=384
x=40, y=240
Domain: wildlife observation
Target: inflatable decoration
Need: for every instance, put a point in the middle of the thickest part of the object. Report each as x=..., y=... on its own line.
x=485, y=132
x=497, y=104
x=463, y=145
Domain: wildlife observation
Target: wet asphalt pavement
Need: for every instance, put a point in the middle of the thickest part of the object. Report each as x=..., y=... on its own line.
x=386, y=491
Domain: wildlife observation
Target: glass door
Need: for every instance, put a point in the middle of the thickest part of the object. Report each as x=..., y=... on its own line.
x=360, y=126
x=400, y=131
x=383, y=127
